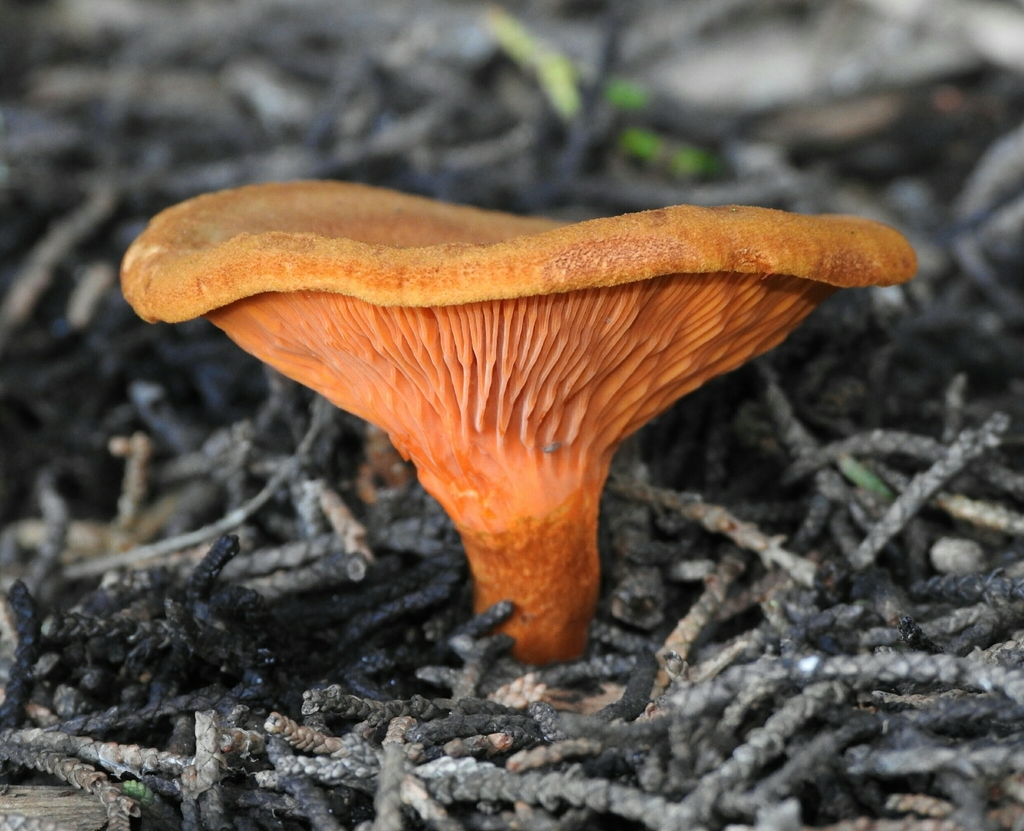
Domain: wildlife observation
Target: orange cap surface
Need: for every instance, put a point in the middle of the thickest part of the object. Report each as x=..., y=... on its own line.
x=506, y=356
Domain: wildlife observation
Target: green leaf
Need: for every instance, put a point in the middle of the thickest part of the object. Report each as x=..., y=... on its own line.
x=640, y=144
x=688, y=160
x=864, y=478
x=625, y=95
x=557, y=78
x=555, y=73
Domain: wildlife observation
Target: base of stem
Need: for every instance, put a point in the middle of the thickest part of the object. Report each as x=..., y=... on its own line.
x=548, y=566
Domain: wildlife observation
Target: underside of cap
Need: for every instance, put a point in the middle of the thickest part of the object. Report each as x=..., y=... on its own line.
x=392, y=249
x=511, y=409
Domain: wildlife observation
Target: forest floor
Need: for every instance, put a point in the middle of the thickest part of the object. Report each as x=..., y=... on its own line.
x=812, y=609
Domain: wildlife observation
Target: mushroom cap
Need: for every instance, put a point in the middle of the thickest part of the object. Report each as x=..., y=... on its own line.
x=392, y=249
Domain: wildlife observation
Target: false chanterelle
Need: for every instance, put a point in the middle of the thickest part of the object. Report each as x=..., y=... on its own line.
x=507, y=357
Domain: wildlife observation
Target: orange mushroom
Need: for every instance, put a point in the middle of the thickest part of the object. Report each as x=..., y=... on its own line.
x=507, y=357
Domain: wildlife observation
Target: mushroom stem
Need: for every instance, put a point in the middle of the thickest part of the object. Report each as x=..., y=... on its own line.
x=548, y=566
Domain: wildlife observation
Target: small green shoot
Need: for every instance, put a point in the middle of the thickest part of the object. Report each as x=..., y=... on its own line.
x=625, y=95
x=690, y=161
x=862, y=477
x=682, y=160
x=138, y=791
x=555, y=73
x=641, y=144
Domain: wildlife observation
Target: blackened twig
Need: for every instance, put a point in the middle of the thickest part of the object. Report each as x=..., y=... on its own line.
x=20, y=677
x=968, y=588
x=347, y=771
x=474, y=781
x=859, y=672
x=310, y=798
x=201, y=582
x=717, y=520
x=764, y=744
x=477, y=655
x=480, y=625
x=117, y=758
x=637, y=694
x=792, y=433
x=56, y=521
x=703, y=611
x=873, y=443
x=335, y=700
x=308, y=740
x=76, y=773
x=388, y=801
x=215, y=529
x=979, y=758
x=806, y=764
x=128, y=717
x=438, y=591
x=862, y=672
x=552, y=754
x=592, y=669
x=523, y=729
x=60, y=239
x=915, y=636
x=548, y=720
x=969, y=445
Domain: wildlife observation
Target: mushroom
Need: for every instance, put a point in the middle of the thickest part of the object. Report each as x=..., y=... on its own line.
x=507, y=357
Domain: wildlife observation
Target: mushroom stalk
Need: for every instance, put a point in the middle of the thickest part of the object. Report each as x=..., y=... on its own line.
x=548, y=566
